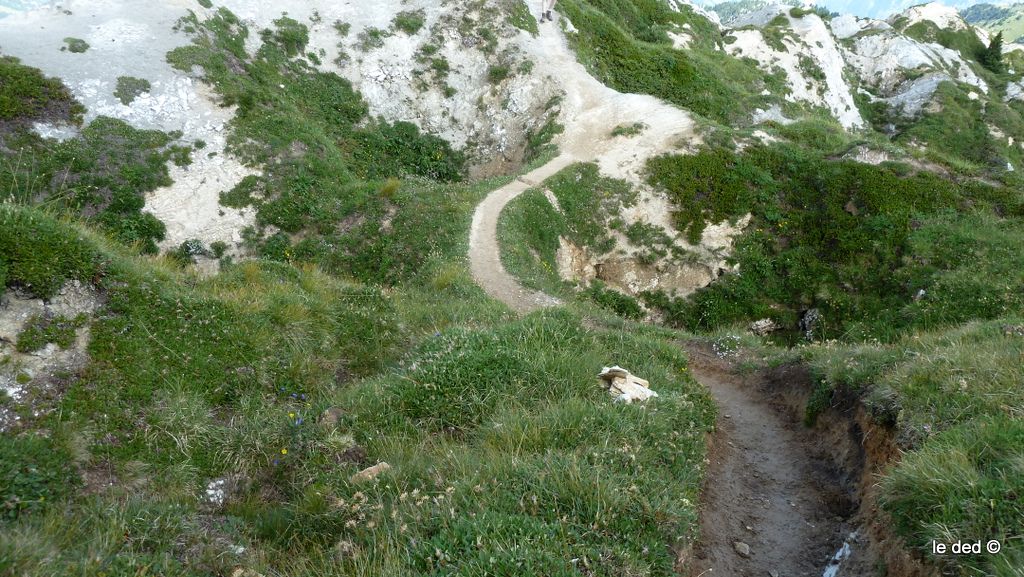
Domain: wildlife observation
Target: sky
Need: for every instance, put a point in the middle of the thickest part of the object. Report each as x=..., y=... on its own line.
x=875, y=8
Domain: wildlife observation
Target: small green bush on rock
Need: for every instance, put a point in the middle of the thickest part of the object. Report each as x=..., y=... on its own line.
x=129, y=88
x=409, y=21
x=76, y=45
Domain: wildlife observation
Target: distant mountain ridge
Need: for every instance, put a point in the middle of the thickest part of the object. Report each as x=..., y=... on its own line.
x=1008, y=19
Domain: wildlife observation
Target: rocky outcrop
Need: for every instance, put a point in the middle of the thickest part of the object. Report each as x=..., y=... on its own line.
x=806, y=52
x=825, y=63
x=31, y=375
x=943, y=16
x=438, y=77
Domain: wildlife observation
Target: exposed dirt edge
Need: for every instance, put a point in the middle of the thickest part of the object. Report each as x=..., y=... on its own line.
x=862, y=450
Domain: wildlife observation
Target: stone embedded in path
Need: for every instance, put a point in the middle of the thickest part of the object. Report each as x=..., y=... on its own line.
x=741, y=548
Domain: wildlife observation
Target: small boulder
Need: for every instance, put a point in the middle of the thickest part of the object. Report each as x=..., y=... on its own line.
x=370, y=473
x=625, y=386
x=763, y=327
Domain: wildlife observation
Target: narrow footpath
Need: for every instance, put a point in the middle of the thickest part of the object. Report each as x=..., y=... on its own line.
x=769, y=508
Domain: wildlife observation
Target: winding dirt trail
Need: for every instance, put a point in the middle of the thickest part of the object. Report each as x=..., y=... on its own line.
x=590, y=111
x=764, y=488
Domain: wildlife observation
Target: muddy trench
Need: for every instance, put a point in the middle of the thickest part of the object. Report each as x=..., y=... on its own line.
x=782, y=499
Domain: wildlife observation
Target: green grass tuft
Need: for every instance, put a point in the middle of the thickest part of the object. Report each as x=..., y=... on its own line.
x=53, y=256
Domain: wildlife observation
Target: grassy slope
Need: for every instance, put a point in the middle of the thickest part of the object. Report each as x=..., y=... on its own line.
x=829, y=234
x=625, y=45
x=514, y=458
x=955, y=399
x=953, y=395
x=486, y=461
x=507, y=456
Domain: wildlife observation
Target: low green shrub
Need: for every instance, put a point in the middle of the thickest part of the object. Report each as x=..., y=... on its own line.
x=623, y=305
x=129, y=88
x=497, y=73
x=289, y=35
x=409, y=21
x=371, y=38
x=40, y=254
x=41, y=331
x=539, y=141
x=707, y=187
x=633, y=129
x=33, y=474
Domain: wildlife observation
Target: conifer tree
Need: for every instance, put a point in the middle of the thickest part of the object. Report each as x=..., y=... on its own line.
x=992, y=57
